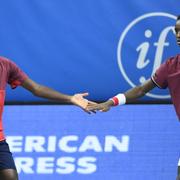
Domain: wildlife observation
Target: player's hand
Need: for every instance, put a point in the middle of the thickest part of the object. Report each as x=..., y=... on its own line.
x=103, y=107
x=79, y=100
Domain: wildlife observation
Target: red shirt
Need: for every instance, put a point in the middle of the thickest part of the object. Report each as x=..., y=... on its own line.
x=11, y=74
x=168, y=75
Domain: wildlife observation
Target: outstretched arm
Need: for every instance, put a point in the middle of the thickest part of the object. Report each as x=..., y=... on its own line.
x=139, y=91
x=129, y=96
x=45, y=92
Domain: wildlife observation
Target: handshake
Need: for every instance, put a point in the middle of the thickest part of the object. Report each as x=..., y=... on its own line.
x=92, y=107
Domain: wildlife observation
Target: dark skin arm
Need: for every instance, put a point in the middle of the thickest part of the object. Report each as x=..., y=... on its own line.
x=139, y=91
x=131, y=95
x=45, y=92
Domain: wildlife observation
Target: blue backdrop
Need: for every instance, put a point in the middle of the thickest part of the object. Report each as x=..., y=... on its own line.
x=63, y=143
x=103, y=47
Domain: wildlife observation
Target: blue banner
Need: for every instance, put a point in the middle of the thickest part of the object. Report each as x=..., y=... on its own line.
x=62, y=142
x=103, y=47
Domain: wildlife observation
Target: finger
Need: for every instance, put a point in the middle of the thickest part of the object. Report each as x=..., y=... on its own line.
x=98, y=108
x=105, y=109
x=90, y=109
x=93, y=111
x=87, y=111
x=93, y=106
x=102, y=110
x=89, y=106
x=91, y=103
x=85, y=94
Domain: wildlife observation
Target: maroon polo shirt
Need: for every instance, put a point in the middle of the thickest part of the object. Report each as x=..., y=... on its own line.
x=168, y=75
x=9, y=73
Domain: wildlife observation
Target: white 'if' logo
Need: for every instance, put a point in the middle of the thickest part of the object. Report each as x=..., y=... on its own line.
x=141, y=51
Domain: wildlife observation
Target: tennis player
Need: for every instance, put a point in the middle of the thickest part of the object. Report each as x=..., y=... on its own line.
x=166, y=76
x=10, y=73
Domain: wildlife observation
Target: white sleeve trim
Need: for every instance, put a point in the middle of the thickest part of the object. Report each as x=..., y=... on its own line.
x=156, y=83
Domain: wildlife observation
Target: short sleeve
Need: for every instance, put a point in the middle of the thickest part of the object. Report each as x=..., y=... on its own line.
x=16, y=75
x=160, y=76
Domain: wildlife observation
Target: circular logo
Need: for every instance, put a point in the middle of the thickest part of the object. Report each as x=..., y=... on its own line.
x=143, y=46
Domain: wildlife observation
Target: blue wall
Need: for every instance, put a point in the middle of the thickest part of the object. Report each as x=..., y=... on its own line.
x=103, y=47
x=62, y=142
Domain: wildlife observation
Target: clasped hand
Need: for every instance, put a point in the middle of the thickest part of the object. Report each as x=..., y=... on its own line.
x=89, y=106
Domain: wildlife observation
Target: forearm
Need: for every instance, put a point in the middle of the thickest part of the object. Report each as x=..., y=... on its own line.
x=139, y=91
x=130, y=96
x=134, y=93
x=45, y=92
x=123, y=98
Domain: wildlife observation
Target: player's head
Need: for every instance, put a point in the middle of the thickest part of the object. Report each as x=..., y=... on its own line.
x=177, y=30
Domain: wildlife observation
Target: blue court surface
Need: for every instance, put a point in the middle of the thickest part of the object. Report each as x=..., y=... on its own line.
x=62, y=142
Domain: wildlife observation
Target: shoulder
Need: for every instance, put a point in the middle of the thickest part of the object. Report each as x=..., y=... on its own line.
x=173, y=63
x=173, y=60
x=5, y=60
x=7, y=64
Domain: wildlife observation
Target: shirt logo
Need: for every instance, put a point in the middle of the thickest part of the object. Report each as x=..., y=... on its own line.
x=144, y=44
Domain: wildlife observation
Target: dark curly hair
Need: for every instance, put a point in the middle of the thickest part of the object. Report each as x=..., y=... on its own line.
x=178, y=17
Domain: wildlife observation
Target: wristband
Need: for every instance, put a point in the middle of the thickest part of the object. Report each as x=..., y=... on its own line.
x=119, y=99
